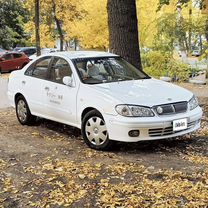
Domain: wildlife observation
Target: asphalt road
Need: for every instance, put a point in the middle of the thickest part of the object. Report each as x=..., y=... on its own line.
x=3, y=93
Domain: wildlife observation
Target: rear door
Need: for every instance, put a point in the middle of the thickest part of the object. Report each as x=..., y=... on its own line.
x=36, y=77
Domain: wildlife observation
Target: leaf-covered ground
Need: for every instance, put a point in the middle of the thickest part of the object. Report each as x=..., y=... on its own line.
x=48, y=165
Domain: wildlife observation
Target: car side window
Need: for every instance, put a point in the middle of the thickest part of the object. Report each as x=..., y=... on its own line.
x=39, y=69
x=60, y=68
x=17, y=55
x=7, y=56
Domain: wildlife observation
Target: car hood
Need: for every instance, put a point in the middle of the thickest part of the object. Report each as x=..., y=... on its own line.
x=147, y=92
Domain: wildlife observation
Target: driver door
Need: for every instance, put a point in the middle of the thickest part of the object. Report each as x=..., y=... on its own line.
x=60, y=99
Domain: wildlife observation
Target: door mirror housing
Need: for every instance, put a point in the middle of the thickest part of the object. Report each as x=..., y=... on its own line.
x=68, y=81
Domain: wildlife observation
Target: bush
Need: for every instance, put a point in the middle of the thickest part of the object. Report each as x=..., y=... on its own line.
x=179, y=71
x=159, y=64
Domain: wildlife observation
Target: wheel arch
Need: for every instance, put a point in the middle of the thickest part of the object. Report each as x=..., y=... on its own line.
x=17, y=95
x=88, y=109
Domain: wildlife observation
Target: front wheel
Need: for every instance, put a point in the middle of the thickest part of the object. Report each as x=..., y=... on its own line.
x=23, y=113
x=94, y=131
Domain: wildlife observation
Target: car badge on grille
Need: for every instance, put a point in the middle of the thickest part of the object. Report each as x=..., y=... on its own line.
x=169, y=99
x=160, y=110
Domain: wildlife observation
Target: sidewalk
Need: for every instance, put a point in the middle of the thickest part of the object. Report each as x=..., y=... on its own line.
x=3, y=93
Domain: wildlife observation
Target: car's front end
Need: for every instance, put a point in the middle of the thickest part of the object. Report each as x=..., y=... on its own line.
x=137, y=123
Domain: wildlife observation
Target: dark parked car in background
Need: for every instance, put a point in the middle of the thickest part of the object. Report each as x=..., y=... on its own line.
x=10, y=61
x=26, y=50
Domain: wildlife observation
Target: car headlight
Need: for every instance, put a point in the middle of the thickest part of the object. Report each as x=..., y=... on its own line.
x=193, y=103
x=134, y=111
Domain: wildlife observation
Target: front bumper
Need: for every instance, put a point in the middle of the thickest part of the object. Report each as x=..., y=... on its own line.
x=152, y=128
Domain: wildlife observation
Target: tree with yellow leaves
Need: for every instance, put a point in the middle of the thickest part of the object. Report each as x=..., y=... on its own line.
x=53, y=15
x=92, y=28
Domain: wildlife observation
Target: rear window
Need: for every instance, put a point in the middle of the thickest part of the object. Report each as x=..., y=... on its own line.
x=39, y=69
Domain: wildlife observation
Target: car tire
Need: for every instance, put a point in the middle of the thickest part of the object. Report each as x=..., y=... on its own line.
x=23, y=113
x=94, y=131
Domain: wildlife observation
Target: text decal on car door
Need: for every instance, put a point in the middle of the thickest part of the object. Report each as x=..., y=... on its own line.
x=55, y=98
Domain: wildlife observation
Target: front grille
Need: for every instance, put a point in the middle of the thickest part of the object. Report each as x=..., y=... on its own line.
x=173, y=108
x=168, y=130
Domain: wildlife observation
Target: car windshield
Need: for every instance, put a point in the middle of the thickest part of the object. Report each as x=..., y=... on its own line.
x=109, y=69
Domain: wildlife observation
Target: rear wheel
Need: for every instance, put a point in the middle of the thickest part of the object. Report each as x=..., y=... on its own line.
x=23, y=113
x=94, y=131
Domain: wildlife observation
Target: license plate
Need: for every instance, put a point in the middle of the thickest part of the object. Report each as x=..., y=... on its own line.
x=180, y=124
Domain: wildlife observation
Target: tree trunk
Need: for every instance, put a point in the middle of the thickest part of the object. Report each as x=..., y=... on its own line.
x=61, y=36
x=58, y=25
x=200, y=42
x=190, y=27
x=206, y=30
x=123, y=30
x=37, y=26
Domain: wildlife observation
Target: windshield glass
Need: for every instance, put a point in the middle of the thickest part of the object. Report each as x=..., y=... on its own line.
x=110, y=69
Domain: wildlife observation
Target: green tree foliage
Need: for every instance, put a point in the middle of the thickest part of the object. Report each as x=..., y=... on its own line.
x=203, y=3
x=13, y=16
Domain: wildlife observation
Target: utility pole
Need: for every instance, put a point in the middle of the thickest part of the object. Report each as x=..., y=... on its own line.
x=37, y=26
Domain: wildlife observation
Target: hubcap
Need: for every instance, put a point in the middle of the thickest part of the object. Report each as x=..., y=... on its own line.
x=21, y=111
x=96, y=131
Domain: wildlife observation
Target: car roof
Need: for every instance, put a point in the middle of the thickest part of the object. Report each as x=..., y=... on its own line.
x=82, y=54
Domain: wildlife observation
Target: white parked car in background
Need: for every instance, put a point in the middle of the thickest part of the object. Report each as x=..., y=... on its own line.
x=43, y=52
x=104, y=96
x=196, y=53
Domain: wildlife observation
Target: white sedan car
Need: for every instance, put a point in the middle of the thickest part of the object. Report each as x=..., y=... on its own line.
x=104, y=96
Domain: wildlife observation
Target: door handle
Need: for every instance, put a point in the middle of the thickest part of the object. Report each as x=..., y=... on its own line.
x=23, y=82
x=47, y=88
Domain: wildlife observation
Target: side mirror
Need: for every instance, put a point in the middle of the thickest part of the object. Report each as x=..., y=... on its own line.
x=68, y=81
